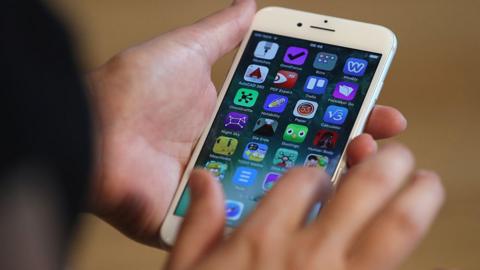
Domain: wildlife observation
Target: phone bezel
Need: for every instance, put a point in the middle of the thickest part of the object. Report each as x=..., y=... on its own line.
x=347, y=33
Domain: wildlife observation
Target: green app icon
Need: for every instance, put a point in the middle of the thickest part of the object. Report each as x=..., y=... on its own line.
x=295, y=133
x=245, y=97
x=285, y=158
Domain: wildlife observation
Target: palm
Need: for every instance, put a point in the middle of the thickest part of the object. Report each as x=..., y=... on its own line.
x=162, y=103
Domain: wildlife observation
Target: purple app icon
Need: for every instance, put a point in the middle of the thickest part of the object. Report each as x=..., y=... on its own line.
x=270, y=179
x=295, y=55
x=275, y=103
x=345, y=90
x=235, y=121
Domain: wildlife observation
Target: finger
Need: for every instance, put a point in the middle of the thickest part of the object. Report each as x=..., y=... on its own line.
x=367, y=188
x=288, y=203
x=393, y=235
x=221, y=32
x=385, y=122
x=360, y=149
x=203, y=225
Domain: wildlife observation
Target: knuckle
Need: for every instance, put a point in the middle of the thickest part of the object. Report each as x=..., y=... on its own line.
x=405, y=224
x=260, y=239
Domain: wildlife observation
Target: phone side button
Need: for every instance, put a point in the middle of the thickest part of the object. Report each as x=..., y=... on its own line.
x=380, y=86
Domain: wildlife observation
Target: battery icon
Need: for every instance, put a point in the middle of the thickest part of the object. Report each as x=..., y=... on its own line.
x=373, y=56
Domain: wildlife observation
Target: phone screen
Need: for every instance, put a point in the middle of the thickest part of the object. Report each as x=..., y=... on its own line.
x=291, y=102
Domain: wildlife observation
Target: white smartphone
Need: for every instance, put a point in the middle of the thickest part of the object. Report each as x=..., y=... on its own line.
x=301, y=87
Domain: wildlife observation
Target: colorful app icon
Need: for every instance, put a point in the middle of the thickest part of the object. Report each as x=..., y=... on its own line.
x=335, y=115
x=285, y=158
x=316, y=161
x=235, y=121
x=225, y=146
x=305, y=108
x=265, y=127
x=275, y=103
x=295, y=55
x=217, y=169
x=244, y=176
x=233, y=209
x=256, y=73
x=345, y=90
x=326, y=139
x=285, y=79
x=266, y=50
x=295, y=133
x=315, y=85
x=355, y=66
x=245, y=97
x=270, y=179
x=325, y=61
x=255, y=151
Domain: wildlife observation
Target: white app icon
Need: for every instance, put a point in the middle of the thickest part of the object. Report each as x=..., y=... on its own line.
x=266, y=50
x=345, y=90
x=256, y=74
x=305, y=108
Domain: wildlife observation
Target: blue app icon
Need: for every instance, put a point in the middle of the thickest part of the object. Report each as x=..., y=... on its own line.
x=335, y=115
x=355, y=66
x=255, y=151
x=233, y=209
x=315, y=85
x=244, y=176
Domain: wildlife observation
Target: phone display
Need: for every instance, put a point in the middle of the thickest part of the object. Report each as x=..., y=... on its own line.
x=291, y=102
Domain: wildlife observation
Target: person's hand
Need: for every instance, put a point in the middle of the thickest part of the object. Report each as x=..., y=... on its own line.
x=368, y=225
x=153, y=101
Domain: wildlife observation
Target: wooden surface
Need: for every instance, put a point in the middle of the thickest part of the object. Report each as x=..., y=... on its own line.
x=434, y=81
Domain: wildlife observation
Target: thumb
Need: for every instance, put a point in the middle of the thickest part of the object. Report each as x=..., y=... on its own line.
x=203, y=225
x=222, y=31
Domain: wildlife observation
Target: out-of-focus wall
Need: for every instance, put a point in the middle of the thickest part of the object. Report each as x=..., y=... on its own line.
x=434, y=80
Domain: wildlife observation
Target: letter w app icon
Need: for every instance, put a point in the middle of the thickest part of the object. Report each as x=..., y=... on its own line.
x=355, y=66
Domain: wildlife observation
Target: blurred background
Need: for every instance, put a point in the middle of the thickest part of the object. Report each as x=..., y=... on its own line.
x=434, y=80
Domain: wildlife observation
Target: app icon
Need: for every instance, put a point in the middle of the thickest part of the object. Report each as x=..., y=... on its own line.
x=235, y=121
x=305, y=108
x=244, y=176
x=233, y=209
x=256, y=73
x=335, y=115
x=216, y=168
x=355, y=66
x=265, y=127
x=275, y=103
x=326, y=139
x=345, y=90
x=325, y=61
x=295, y=133
x=255, y=151
x=285, y=158
x=225, y=146
x=315, y=85
x=285, y=79
x=316, y=161
x=270, y=179
x=266, y=50
x=295, y=55
x=245, y=97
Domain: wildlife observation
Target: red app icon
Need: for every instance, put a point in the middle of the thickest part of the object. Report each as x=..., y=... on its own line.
x=285, y=79
x=325, y=139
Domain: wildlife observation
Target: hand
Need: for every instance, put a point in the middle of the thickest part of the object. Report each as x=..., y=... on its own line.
x=152, y=103
x=368, y=225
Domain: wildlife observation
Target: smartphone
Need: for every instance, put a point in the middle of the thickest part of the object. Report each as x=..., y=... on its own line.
x=301, y=87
